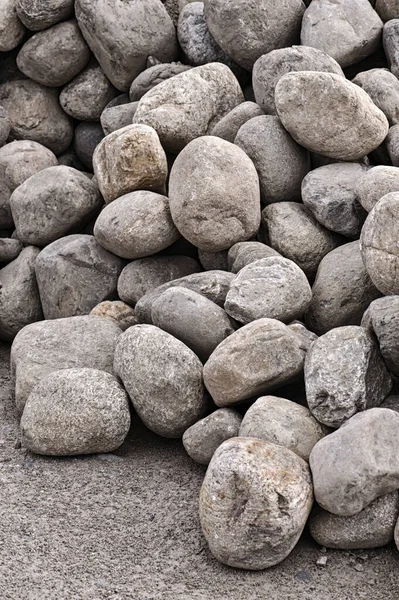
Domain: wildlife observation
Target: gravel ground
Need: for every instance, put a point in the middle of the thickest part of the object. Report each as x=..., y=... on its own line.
x=124, y=526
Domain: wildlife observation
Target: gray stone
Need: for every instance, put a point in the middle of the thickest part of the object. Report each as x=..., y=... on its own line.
x=396, y=534
x=382, y=319
x=163, y=379
x=280, y=162
x=75, y=411
x=9, y=249
x=347, y=30
x=329, y=193
x=41, y=15
x=344, y=374
x=292, y=230
x=189, y=105
x=11, y=29
x=212, y=261
x=270, y=67
x=52, y=203
x=193, y=319
x=153, y=76
x=244, y=253
x=307, y=337
x=146, y=274
x=372, y=527
x=329, y=115
x=203, y=438
x=387, y=9
x=282, y=422
x=342, y=290
x=74, y=274
x=392, y=145
x=273, y=287
x=252, y=514
x=129, y=159
x=21, y=159
x=35, y=114
x=376, y=183
x=228, y=127
x=87, y=137
x=391, y=44
x=237, y=369
x=391, y=402
x=117, y=115
x=5, y=126
x=122, y=314
x=69, y=159
x=245, y=30
x=383, y=88
x=19, y=297
x=6, y=221
x=136, y=225
x=47, y=346
x=357, y=463
x=122, y=35
x=210, y=211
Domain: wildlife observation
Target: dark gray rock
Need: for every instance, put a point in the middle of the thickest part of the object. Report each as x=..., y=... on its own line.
x=228, y=127
x=41, y=15
x=9, y=249
x=387, y=9
x=153, y=76
x=244, y=253
x=5, y=126
x=117, y=114
x=86, y=138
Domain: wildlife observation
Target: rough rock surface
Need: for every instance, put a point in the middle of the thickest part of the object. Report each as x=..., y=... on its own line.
x=242, y=254
x=382, y=319
x=11, y=29
x=228, y=127
x=376, y=183
x=41, y=15
x=383, y=88
x=152, y=76
x=122, y=314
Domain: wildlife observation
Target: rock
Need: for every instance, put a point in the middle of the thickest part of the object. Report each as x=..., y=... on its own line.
x=270, y=67
x=212, y=261
x=37, y=16
x=244, y=253
x=292, y=230
x=391, y=45
x=391, y=402
x=21, y=159
x=54, y=56
x=122, y=314
x=249, y=524
x=342, y=290
x=392, y=145
x=237, y=369
x=387, y=9
x=87, y=137
x=86, y=96
x=329, y=115
x=357, y=463
x=47, y=346
x=167, y=405
x=122, y=35
x=344, y=374
x=193, y=319
x=130, y=159
x=136, y=225
x=75, y=411
x=69, y=159
x=347, y=30
x=382, y=319
x=379, y=246
x=52, y=203
x=5, y=126
x=246, y=30
x=36, y=114
x=74, y=274
x=189, y=105
x=372, y=527
x=383, y=88
x=203, y=438
x=282, y=422
x=153, y=76
x=396, y=535
x=6, y=221
x=228, y=127
x=9, y=249
x=280, y=163
x=210, y=212
x=19, y=297
x=376, y=183
x=329, y=192
x=11, y=29
x=117, y=115
x=146, y=274
x=273, y=287
x=307, y=337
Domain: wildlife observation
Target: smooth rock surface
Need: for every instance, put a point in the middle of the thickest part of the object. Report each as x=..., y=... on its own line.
x=117, y=115
x=152, y=76
x=376, y=183
x=242, y=254
x=228, y=127
x=383, y=88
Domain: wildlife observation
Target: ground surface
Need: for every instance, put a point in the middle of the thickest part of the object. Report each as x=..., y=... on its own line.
x=124, y=527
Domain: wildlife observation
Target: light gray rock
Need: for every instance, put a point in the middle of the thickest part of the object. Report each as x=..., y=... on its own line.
x=270, y=67
x=307, y=337
x=193, y=319
x=347, y=30
x=249, y=524
x=245, y=30
x=329, y=115
x=11, y=29
x=273, y=287
x=376, y=183
x=19, y=297
x=122, y=35
x=52, y=203
x=387, y=9
x=122, y=314
x=279, y=161
x=152, y=76
x=392, y=145
x=5, y=126
x=228, y=127
x=117, y=114
x=35, y=114
x=383, y=88
x=342, y=290
x=136, y=225
x=282, y=422
x=237, y=369
x=210, y=211
x=130, y=159
x=9, y=249
x=391, y=44
x=47, y=346
x=163, y=379
x=189, y=105
x=74, y=274
x=203, y=438
x=244, y=253
x=87, y=136
x=344, y=374
x=329, y=193
x=212, y=261
x=357, y=463
x=21, y=159
x=41, y=15
x=382, y=319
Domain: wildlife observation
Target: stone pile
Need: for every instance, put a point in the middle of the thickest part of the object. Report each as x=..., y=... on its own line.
x=199, y=219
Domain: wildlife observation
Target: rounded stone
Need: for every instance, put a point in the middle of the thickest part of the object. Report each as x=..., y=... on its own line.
x=5, y=126
x=392, y=145
x=376, y=183
x=87, y=137
x=244, y=253
x=391, y=44
x=382, y=320
x=251, y=513
x=228, y=127
x=117, y=115
x=9, y=249
x=383, y=88
x=211, y=261
x=41, y=15
x=214, y=194
x=122, y=314
x=21, y=159
x=163, y=379
x=75, y=411
x=387, y=9
x=11, y=29
x=153, y=76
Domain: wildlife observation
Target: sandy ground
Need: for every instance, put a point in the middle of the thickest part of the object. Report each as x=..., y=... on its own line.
x=124, y=526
